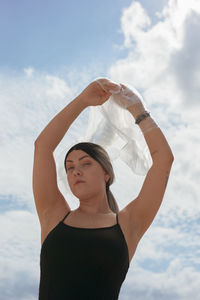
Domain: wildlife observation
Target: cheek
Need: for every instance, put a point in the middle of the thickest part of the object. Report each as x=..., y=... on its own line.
x=95, y=178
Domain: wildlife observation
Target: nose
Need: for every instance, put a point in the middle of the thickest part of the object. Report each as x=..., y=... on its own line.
x=77, y=171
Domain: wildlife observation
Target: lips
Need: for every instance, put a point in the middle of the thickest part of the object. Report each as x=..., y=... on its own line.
x=78, y=181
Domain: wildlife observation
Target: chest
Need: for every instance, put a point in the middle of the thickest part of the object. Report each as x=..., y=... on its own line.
x=99, y=238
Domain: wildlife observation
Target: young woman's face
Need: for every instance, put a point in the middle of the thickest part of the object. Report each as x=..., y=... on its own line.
x=81, y=166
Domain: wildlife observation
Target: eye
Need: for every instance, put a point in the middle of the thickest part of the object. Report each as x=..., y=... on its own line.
x=69, y=168
x=83, y=164
x=86, y=164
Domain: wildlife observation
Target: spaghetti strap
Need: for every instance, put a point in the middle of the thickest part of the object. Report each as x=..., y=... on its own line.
x=117, y=218
x=66, y=215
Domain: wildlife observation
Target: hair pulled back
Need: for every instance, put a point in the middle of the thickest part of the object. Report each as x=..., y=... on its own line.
x=98, y=153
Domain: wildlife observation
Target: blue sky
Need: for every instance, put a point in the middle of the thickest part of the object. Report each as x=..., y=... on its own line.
x=50, y=51
x=49, y=35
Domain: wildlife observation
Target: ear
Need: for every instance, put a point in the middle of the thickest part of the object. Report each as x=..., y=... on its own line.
x=107, y=177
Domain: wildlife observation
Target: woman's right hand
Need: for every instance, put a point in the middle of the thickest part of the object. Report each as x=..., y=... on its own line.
x=97, y=93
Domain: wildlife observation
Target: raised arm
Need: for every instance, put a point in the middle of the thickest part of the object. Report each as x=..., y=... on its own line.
x=47, y=195
x=155, y=139
x=142, y=210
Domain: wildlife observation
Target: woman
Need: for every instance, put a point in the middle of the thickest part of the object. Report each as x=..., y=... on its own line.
x=86, y=253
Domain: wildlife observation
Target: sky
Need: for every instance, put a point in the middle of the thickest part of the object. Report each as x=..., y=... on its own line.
x=50, y=51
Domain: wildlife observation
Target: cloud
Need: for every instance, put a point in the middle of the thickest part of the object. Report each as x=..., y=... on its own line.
x=19, y=255
x=163, y=64
x=27, y=106
x=134, y=21
x=185, y=62
x=57, y=87
x=163, y=59
x=156, y=65
x=29, y=71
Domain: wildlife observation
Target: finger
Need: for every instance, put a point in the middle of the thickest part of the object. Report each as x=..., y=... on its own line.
x=115, y=86
x=123, y=85
x=101, y=85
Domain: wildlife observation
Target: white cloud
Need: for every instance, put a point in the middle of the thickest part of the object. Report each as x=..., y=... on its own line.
x=185, y=62
x=19, y=255
x=133, y=21
x=29, y=71
x=163, y=62
x=26, y=107
x=157, y=64
x=176, y=285
x=163, y=59
x=57, y=87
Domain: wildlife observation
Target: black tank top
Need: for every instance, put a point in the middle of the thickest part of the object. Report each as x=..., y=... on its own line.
x=83, y=263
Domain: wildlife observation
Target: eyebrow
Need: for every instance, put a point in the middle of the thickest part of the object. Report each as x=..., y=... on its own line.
x=78, y=159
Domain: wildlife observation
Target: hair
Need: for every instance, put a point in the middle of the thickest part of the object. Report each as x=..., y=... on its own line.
x=98, y=153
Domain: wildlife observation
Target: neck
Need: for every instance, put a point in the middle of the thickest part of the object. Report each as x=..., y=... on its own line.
x=93, y=212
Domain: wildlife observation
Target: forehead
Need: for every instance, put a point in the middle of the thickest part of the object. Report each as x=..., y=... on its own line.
x=76, y=154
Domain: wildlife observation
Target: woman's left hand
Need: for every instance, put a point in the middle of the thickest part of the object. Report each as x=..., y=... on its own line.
x=128, y=97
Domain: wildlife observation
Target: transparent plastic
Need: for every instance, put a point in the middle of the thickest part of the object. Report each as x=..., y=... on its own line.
x=123, y=96
x=112, y=125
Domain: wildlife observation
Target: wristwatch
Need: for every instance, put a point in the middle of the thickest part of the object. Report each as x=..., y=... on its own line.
x=142, y=117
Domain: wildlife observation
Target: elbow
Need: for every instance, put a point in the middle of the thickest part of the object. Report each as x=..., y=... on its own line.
x=164, y=158
x=170, y=157
x=37, y=143
x=170, y=160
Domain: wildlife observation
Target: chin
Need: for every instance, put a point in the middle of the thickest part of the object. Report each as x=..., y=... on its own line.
x=84, y=193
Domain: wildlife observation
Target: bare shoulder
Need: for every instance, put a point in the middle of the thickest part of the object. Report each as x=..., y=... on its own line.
x=52, y=218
